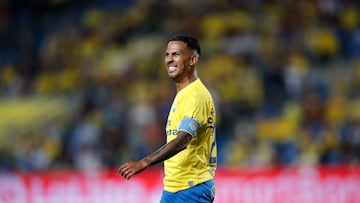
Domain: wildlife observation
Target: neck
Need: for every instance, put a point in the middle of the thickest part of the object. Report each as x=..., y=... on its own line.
x=186, y=81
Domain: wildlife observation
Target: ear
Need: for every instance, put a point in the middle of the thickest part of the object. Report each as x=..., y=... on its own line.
x=193, y=60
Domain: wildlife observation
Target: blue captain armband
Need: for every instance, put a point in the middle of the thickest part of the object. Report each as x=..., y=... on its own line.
x=189, y=125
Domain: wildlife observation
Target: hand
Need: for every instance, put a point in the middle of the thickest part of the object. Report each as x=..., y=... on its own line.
x=131, y=168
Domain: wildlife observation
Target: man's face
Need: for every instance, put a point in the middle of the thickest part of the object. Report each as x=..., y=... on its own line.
x=179, y=60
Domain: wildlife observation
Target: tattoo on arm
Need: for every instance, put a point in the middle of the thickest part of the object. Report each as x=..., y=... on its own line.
x=170, y=149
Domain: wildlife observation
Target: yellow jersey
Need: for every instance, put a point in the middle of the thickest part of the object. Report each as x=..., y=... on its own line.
x=192, y=111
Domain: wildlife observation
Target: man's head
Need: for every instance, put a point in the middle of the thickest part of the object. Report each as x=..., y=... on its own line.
x=181, y=56
x=191, y=42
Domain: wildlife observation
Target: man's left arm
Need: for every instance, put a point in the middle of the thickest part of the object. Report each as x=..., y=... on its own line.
x=165, y=152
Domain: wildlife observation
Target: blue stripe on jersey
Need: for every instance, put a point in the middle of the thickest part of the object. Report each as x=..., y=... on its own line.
x=189, y=125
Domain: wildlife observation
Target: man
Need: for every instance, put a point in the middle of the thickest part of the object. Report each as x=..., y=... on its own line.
x=190, y=152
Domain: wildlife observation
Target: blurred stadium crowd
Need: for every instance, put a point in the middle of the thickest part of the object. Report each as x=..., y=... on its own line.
x=83, y=85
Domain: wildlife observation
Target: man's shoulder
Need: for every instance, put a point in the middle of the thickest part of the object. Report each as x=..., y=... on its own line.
x=200, y=87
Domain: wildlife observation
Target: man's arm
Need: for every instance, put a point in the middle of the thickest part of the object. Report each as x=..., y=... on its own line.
x=168, y=150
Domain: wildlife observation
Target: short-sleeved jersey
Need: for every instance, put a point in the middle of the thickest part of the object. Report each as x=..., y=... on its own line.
x=192, y=111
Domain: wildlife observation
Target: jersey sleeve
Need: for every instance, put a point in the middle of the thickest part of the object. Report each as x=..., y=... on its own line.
x=189, y=125
x=194, y=113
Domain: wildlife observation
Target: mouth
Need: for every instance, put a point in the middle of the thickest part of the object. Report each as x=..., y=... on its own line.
x=172, y=69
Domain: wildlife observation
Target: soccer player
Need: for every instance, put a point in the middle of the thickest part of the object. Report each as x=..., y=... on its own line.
x=189, y=154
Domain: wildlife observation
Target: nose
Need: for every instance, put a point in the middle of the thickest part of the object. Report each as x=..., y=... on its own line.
x=168, y=59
